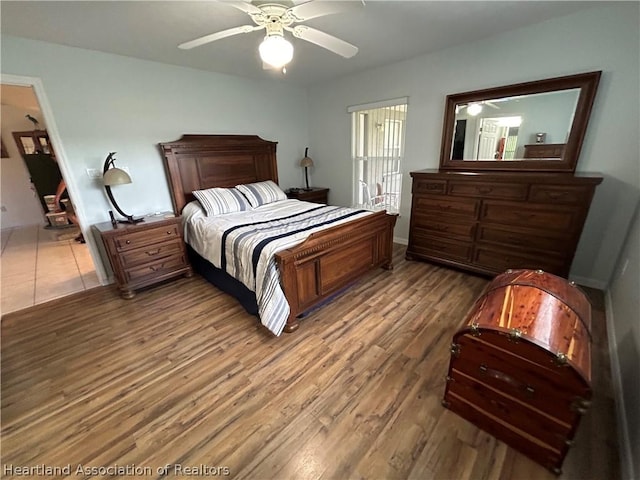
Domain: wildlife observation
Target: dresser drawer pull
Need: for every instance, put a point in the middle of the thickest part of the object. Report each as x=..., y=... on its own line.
x=441, y=228
x=433, y=186
x=485, y=190
x=155, y=269
x=169, y=232
x=556, y=195
x=151, y=254
x=127, y=242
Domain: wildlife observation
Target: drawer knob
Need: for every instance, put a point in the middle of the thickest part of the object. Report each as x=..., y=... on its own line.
x=127, y=242
x=556, y=195
x=169, y=232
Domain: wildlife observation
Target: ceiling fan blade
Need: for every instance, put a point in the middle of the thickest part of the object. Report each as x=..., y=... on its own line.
x=324, y=40
x=313, y=9
x=218, y=35
x=244, y=6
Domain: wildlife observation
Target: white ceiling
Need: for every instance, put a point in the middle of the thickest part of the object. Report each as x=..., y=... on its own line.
x=384, y=31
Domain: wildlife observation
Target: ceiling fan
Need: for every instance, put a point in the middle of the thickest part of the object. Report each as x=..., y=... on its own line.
x=276, y=16
x=474, y=108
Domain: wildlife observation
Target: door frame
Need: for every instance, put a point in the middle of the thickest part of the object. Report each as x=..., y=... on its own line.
x=61, y=156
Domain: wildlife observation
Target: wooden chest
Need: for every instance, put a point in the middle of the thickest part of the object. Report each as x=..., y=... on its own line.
x=520, y=366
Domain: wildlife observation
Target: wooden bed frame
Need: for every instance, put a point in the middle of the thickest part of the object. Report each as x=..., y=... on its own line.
x=322, y=265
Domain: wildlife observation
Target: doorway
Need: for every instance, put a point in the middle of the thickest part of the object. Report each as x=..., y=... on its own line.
x=40, y=260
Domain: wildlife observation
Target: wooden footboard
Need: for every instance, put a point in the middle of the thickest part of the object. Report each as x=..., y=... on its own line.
x=332, y=259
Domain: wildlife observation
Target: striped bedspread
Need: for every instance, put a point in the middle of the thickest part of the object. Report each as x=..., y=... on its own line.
x=243, y=244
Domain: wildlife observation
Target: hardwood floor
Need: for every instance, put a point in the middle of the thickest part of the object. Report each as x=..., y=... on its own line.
x=182, y=375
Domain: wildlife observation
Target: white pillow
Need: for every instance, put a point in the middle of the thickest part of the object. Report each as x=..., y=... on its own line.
x=217, y=201
x=261, y=193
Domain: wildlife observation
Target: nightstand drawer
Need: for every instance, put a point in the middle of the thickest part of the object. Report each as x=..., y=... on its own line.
x=156, y=268
x=145, y=253
x=150, y=253
x=314, y=195
x=146, y=237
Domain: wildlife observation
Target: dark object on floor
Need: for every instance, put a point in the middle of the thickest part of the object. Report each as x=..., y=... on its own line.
x=80, y=239
x=521, y=366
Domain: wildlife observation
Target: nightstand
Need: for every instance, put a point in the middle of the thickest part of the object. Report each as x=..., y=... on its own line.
x=314, y=194
x=145, y=253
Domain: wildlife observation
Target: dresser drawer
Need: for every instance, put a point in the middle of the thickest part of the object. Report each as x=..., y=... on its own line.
x=439, y=247
x=506, y=191
x=445, y=205
x=156, y=268
x=559, y=193
x=141, y=238
x=525, y=238
x=443, y=226
x=429, y=186
x=150, y=253
x=544, y=216
x=500, y=259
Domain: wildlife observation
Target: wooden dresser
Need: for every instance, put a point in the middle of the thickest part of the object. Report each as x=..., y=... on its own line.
x=487, y=222
x=145, y=253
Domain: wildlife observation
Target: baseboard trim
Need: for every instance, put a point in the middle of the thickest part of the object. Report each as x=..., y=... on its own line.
x=401, y=241
x=589, y=282
x=626, y=461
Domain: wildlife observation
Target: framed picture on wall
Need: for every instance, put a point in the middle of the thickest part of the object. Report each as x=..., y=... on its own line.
x=4, y=153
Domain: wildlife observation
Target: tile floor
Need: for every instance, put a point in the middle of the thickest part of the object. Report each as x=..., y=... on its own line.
x=38, y=265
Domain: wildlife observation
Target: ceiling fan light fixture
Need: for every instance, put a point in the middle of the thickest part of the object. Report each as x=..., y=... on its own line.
x=275, y=50
x=474, y=108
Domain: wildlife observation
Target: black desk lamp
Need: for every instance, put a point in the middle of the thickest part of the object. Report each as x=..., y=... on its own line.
x=306, y=162
x=111, y=176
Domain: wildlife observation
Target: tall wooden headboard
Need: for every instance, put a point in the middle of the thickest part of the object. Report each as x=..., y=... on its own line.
x=196, y=162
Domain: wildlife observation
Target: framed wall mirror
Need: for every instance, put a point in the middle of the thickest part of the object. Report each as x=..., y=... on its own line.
x=533, y=126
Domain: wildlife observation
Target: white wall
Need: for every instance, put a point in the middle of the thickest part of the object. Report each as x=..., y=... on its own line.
x=18, y=196
x=623, y=320
x=601, y=38
x=102, y=103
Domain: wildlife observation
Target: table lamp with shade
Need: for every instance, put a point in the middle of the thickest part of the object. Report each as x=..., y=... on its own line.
x=112, y=175
x=306, y=162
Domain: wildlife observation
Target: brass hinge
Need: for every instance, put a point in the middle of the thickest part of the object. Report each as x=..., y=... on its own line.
x=455, y=350
x=561, y=359
x=475, y=329
x=515, y=334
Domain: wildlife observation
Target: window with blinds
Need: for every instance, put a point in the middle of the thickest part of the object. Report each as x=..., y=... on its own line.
x=378, y=131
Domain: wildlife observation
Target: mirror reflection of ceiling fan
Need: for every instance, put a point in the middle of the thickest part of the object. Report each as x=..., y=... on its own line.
x=474, y=108
x=277, y=16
